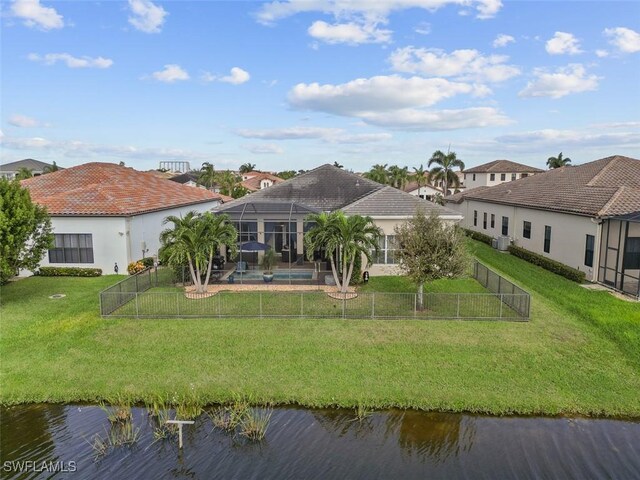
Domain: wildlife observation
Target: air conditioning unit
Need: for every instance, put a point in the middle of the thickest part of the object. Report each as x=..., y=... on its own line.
x=503, y=243
x=494, y=242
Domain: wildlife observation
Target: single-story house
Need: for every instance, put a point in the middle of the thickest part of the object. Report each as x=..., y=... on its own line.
x=585, y=216
x=497, y=172
x=10, y=170
x=105, y=214
x=276, y=215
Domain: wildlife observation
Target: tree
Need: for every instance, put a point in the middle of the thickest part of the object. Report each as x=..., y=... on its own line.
x=194, y=240
x=228, y=181
x=286, y=175
x=207, y=175
x=337, y=165
x=378, y=173
x=420, y=176
x=559, y=161
x=247, y=167
x=239, y=191
x=25, y=230
x=398, y=176
x=443, y=169
x=51, y=168
x=23, y=173
x=430, y=249
x=343, y=238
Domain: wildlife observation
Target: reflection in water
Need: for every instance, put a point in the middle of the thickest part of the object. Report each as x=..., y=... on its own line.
x=330, y=444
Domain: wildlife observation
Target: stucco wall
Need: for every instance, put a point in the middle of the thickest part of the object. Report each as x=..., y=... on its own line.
x=484, y=179
x=568, y=232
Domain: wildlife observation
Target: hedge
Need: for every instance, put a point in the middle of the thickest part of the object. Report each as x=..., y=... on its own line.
x=148, y=261
x=481, y=237
x=548, y=264
x=69, y=272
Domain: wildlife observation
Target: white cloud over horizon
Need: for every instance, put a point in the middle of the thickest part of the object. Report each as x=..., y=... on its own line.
x=35, y=15
x=325, y=134
x=563, y=43
x=71, y=61
x=146, y=16
x=564, y=81
x=264, y=148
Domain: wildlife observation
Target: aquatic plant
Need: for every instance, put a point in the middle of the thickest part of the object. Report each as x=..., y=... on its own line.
x=188, y=406
x=118, y=409
x=362, y=412
x=119, y=435
x=254, y=423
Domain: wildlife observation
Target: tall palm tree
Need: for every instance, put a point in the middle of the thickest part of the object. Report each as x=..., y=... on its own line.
x=207, y=175
x=228, y=182
x=398, y=176
x=559, y=161
x=247, y=167
x=443, y=169
x=51, y=168
x=378, y=173
x=23, y=172
x=194, y=240
x=344, y=238
x=420, y=176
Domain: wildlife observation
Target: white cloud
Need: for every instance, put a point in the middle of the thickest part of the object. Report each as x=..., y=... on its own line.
x=146, y=16
x=23, y=121
x=70, y=60
x=563, y=138
x=503, y=40
x=423, y=28
x=624, y=39
x=36, y=15
x=377, y=10
x=602, y=53
x=351, y=33
x=564, y=81
x=463, y=64
x=236, y=77
x=563, y=43
x=171, y=73
x=264, y=148
x=327, y=135
x=435, y=120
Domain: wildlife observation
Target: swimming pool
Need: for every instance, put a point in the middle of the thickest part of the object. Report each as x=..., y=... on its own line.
x=277, y=275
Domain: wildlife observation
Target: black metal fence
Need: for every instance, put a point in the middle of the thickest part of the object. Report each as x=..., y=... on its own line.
x=131, y=298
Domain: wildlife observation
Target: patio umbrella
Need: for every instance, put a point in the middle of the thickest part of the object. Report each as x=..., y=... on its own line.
x=253, y=247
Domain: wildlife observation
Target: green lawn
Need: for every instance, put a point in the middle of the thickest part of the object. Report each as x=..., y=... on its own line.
x=577, y=355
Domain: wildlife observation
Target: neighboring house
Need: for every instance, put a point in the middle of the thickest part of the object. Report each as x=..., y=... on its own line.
x=276, y=215
x=191, y=179
x=497, y=172
x=254, y=181
x=426, y=192
x=586, y=216
x=104, y=214
x=9, y=170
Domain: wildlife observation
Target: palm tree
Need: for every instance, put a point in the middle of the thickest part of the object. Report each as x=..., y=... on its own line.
x=443, y=171
x=194, y=240
x=557, y=162
x=337, y=165
x=398, y=177
x=207, y=175
x=344, y=238
x=51, y=168
x=247, y=167
x=420, y=176
x=23, y=172
x=228, y=182
x=378, y=173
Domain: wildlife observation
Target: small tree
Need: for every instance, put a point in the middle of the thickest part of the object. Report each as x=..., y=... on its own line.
x=430, y=249
x=25, y=230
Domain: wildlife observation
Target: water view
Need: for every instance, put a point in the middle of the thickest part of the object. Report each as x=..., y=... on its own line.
x=303, y=443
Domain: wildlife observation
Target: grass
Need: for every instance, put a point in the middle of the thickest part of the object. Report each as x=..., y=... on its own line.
x=577, y=355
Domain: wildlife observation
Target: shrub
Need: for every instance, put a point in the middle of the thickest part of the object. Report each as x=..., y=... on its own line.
x=135, y=267
x=481, y=237
x=69, y=272
x=148, y=262
x=548, y=264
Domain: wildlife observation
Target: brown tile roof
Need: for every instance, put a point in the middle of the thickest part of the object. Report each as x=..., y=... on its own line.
x=503, y=166
x=413, y=185
x=605, y=187
x=253, y=183
x=109, y=189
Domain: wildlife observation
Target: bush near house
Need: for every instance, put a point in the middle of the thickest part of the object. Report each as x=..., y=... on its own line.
x=69, y=272
x=148, y=262
x=481, y=237
x=135, y=267
x=548, y=264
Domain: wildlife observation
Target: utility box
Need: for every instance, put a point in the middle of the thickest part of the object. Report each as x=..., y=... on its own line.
x=503, y=243
x=494, y=242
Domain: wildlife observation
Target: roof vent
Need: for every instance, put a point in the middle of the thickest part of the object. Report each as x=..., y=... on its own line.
x=508, y=192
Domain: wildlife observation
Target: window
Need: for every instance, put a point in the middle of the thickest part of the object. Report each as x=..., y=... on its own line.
x=632, y=254
x=505, y=225
x=522, y=175
x=513, y=176
x=503, y=176
x=72, y=248
x=465, y=176
x=588, y=250
x=475, y=218
x=526, y=229
x=493, y=221
x=281, y=235
x=474, y=177
x=386, y=254
x=547, y=238
x=484, y=220
x=247, y=231
x=492, y=177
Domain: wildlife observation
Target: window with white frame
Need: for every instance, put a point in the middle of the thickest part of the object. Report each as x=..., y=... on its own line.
x=387, y=250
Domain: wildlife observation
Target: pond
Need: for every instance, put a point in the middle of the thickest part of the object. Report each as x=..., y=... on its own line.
x=303, y=443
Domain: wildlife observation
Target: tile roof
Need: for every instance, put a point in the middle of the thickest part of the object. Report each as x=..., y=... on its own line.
x=503, y=166
x=391, y=202
x=413, y=185
x=605, y=187
x=253, y=182
x=29, y=163
x=101, y=189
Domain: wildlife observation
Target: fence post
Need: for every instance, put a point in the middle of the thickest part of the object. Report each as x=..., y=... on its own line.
x=301, y=304
x=136, y=279
x=177, y=303
x=373, y=305
x=501, y=300
x=137, y=312
x=344, y=301
x=458, y=305
x=499, y=284
x=415, y=304
x=260, y=304
x=219, y=304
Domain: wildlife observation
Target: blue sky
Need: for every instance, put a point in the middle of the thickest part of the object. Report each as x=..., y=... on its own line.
x=294, y=84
